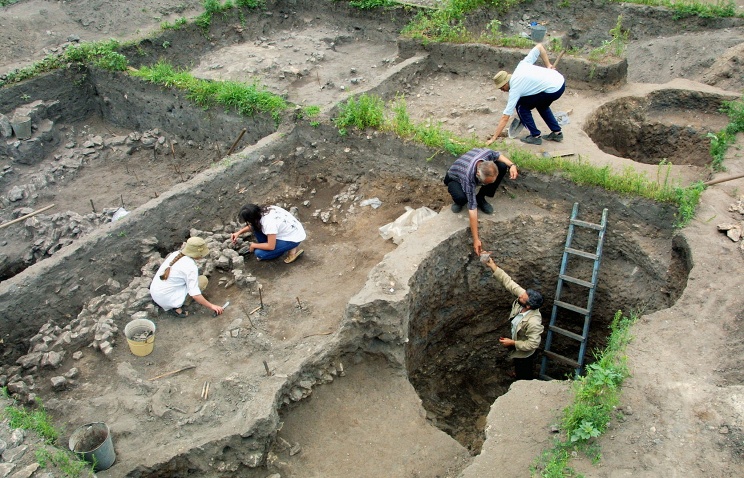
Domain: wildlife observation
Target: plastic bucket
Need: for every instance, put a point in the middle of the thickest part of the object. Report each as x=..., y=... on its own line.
x=537, y=33
x=93, y=443
x=21, y=126
x=140, y=336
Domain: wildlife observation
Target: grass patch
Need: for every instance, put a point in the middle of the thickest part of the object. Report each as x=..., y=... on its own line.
x=246, y=99
x=615, y=47
x=179, y=24
x=690, y=8
x=5, y=3
x=215, y=7
x=37, y=420
x=722, y=140
x=103, y=54
x=595, y=397
x=366, y=111
x=66, y=462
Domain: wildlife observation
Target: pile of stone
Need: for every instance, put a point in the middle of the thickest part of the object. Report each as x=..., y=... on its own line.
x=733, y=230
x=99, y=323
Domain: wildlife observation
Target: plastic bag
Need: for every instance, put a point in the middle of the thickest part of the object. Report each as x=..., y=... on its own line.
x=121, y=212
x=408, y=222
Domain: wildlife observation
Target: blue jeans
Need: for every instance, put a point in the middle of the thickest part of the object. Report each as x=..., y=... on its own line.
x=281, y=247
x=541, y=102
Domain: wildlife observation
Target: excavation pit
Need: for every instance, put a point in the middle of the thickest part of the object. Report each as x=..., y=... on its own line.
x=666, y=125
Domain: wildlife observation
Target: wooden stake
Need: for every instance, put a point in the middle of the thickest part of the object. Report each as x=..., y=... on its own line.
x=266, y=366
x=299, y=304
x=260, y=297
x=92, y=206
x=26, y=216
x=168, y=374
x=714, y=181
x=121, y=196
x=229, y=152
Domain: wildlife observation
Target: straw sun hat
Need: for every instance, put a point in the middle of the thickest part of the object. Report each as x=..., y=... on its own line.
x=501, y=78
x=195, y=248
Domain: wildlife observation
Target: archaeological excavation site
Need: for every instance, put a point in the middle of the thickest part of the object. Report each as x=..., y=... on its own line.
x=127, y=129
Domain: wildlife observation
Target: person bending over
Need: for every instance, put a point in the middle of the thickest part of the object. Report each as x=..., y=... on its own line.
x=275, y=230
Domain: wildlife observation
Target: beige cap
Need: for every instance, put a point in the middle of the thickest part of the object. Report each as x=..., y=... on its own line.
x=195, y=248
x=501, y=78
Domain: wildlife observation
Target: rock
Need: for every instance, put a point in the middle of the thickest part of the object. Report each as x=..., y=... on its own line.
x=6, y=130
x=30, y=360
x=52, y=359
x=77, y=355
x=16, y=438
x=14, y=454
x=27, y=471
x=59, y=383
x=6, y=469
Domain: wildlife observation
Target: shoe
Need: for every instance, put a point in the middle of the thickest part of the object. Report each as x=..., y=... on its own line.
x=290, y=260
x=556, y=136
x=532, y=140
x=456, y=208
x=485, y=207
x=182, y=314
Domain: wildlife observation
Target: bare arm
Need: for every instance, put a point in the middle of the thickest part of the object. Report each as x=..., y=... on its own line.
x=544, y=56
x=473, y=216
x=203, y=301
x=234, y=236
x=502, y=124
x=269, y=245
x=513, y=172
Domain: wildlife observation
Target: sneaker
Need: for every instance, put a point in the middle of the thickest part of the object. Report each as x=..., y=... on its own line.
x=556, y=136
x=485, y=207
x=456, y=208
x=532, y=140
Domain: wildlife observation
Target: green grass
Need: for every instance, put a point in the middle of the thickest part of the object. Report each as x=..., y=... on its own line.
x=595, y=396
x=177, y=25
x=215, y=7
x=612, y=48
x=683, y=9
x=66, y=462
x=722, y=140
x=5, y=3
x=370, y=4
x=102, y=54
x=366, y=111
x=246, y=99
x=37, y=420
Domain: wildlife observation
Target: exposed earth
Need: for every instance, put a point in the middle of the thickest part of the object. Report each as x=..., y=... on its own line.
x=364, y=357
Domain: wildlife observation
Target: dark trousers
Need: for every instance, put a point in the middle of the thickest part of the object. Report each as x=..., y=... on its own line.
x=487, y=190
x=540, y=102
x=524, y=368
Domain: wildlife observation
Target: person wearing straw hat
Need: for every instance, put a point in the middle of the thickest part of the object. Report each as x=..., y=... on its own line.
x=531, y=87
x=178, y=277
x=275, y=231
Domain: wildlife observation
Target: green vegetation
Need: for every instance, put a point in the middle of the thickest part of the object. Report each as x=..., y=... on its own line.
x=5, y=3
x=66, y=461
x=246, y=99
x=177, y=25
x=722, y=140
x=39, y=421
x=214, y=7
x=595, y=397
x=369, y=4
x=615, y=47
x=102, y=54
x=364, y=112
x=307, y=112
x=493, y=36
x=683, y=9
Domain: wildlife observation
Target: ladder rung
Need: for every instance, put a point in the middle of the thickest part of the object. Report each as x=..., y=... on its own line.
x=588, y=255
x=576, y=281
x=561, y=358
x=590, y=225
x=568, y=306
x=565, y=332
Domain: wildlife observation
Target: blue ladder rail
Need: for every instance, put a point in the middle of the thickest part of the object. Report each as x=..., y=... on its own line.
x=558, y=304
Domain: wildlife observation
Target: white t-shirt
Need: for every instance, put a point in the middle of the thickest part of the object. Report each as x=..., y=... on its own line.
x=282, y=223
x=529, y=79
x=183, y=279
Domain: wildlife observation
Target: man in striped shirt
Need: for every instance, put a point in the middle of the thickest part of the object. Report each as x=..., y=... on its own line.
x=482, y=169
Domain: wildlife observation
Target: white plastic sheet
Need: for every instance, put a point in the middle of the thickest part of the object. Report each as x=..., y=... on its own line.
x=408, y=222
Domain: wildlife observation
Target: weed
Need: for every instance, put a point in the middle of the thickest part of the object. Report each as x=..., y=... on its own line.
x=37, y=420
x=722, y=140
x=177, y=25
x=689, y=8
x=493, y=36
x=67, y=462
x=5, y=3
x=307, y=112
x=615, y=47
x=101, y=54
x=364, y=112
x=166, y=44
x=370, y=4
x=564, y=4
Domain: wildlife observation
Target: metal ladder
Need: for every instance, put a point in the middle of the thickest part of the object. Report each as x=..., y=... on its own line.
x=591, y=285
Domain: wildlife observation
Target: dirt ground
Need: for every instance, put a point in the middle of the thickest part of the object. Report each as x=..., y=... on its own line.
x=682, y=413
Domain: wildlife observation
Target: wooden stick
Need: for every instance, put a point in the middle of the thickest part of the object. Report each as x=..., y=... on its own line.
x=167, y=374
x=204, y=389
x=260, y=297
x=560, y=55
x=320, y=333
x=708, y=183
x=206, y=393
x=19, y=219
x=92, y=206
x=253, y=312
x=229, y=152
x=299, y=304
x=266, y=366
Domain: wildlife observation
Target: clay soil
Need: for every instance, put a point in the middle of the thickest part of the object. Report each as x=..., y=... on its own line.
x=682, y=410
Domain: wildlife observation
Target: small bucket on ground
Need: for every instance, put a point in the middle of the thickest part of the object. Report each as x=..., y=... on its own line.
x=140, y=335
x=537, y=33
x=21, y=126
x=93, y=443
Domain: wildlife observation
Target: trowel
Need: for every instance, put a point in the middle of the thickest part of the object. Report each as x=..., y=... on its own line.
x=224, y=307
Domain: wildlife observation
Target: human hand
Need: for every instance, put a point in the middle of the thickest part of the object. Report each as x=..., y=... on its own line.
x=217, y=309
x=234, y=237
x=491, y=264
x=478, y=246
x=490, y=140
x=252, y=246
x=506, y=342
x=513, y=172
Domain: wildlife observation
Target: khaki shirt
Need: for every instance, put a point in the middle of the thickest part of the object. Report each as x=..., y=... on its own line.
x=530, y=328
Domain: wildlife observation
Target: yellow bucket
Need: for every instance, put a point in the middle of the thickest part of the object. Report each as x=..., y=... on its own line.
x=140, y=335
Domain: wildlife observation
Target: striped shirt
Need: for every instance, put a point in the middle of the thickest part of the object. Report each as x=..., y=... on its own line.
x=464, y=171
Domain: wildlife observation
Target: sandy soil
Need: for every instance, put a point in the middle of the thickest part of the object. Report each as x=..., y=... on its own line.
x=682, y=407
